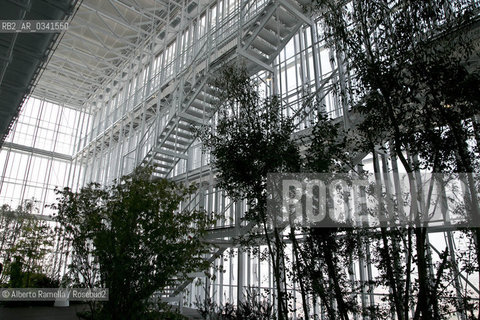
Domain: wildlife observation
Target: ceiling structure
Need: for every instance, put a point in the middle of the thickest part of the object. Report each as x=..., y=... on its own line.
x=73, y=67
x=102, y=40
x=23, y=54
x=103, y=37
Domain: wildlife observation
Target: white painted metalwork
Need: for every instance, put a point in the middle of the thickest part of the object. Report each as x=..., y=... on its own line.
x=134, y=76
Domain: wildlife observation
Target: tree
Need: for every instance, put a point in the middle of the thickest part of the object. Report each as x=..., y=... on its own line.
x=251, y=139
x=28, y=240
x=328, y=151
x=418, y=97
x=76, y=214
x=34, y=245
x=136, y=232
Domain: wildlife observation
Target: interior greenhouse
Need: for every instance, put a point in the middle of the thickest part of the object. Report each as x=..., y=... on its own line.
x=242, y=159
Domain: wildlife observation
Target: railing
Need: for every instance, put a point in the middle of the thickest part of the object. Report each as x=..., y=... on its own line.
x=214, y=40
x=216, y=37
x=148, y=140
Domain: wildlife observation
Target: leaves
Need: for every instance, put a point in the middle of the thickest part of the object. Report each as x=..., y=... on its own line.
x=416, y=90
x=251, y=138
x=414, y=84
x=137, y=235
x=26, y=238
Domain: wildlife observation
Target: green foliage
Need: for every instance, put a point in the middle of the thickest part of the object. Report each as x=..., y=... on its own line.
x=413, y=81
x=412, y=90
x=40, y=280
x=26, y=242
x=330, y=148
x=253, y=306
x=252, y=137
x=417, y=91
x=134, y=235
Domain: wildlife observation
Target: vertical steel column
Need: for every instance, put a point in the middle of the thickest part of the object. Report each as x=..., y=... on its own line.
x=46, y=180
x=362, y=252
x=343, y=88
x=317, y=66
x=241, y=254
x=78, y=138
x=101, y=124
x=85, y=153
x=30, y=154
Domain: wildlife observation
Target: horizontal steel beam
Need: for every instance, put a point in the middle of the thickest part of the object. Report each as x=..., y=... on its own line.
x=41, y=152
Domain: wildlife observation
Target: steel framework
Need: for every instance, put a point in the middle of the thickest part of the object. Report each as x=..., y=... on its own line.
x=137, y=72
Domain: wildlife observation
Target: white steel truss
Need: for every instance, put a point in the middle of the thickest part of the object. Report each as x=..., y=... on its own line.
x=141, y=70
